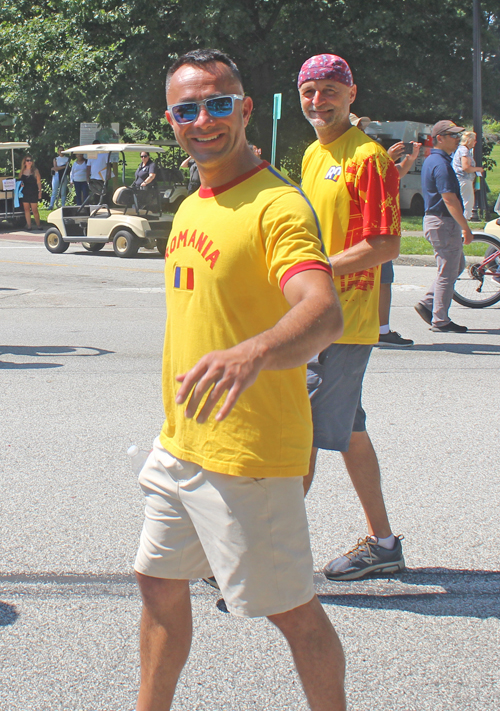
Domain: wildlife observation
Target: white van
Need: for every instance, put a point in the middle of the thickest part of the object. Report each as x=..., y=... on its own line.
x=389, y=132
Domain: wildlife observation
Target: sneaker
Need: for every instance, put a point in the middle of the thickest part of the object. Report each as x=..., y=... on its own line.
x=449, y=328
x=393, y=338
x=212, y=582
x=424, y=312
x=366, y=559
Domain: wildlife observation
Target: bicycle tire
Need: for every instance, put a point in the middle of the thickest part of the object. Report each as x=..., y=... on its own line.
x=469, y=290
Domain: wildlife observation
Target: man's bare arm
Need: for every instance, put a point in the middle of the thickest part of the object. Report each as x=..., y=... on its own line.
x=366, y=254
x=455, y=209
x=313, y=322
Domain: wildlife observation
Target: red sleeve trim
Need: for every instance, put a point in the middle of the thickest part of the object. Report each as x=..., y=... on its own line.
x=303, y=267
x=212, y=192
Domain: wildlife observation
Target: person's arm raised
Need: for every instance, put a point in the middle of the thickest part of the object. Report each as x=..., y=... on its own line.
x=313, y=322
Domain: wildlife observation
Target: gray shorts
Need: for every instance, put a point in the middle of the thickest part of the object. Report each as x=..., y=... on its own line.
x=334, y=382
x=386, y=273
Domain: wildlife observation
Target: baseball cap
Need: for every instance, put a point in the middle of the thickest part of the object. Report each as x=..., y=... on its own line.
x=325, y=66
x=445, y=127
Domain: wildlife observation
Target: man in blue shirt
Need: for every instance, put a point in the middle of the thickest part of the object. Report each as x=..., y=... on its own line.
x=444, y=227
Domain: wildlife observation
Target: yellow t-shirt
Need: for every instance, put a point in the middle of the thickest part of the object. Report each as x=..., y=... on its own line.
x=353, y=186
x=229, y=252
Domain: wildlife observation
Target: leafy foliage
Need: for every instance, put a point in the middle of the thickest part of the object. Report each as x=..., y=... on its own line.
x=67, y=61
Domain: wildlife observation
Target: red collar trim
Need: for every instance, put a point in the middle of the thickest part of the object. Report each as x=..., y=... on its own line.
x=212, y=192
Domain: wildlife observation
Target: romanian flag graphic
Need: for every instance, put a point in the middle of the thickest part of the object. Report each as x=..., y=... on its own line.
x=184, y=278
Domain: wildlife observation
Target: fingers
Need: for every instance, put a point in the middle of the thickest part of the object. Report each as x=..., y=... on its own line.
x=213, y=398
x=199, y=393
x=189, y=380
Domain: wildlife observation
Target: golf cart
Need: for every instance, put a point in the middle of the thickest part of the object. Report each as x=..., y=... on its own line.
x=133, y=220
x=8, y=209
x=171, y=180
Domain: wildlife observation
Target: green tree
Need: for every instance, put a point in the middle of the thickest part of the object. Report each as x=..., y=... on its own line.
x=67, y=61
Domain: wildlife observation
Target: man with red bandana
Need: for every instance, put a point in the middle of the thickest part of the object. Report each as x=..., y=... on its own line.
x=353, y=186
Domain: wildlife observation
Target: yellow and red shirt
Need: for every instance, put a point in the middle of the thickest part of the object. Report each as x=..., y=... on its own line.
x=229, y=252
x=353, y=186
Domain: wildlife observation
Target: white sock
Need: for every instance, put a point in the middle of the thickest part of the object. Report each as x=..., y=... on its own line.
x=384, y=330
x=387, y=543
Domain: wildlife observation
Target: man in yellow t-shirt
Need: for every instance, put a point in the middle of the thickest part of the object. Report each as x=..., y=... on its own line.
x=353, y=186
x=250, y=299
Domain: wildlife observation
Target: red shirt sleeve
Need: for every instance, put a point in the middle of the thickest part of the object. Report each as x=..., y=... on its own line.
x=377, y=188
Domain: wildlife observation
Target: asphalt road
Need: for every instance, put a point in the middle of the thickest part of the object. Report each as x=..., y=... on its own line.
x=80, y=370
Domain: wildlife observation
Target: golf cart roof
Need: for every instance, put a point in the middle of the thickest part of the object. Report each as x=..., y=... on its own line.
x=115, y=148
x=16, y=144
x=167, y=143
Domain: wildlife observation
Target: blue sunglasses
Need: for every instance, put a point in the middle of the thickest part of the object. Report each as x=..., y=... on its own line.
x=218, y=107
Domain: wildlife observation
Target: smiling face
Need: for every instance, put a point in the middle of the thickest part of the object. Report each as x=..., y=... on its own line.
x=326, y=105
x=212, y=142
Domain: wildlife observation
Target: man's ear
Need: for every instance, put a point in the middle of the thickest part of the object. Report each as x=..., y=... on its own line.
x=169, y=118
x=353, y=93
x=247, y=109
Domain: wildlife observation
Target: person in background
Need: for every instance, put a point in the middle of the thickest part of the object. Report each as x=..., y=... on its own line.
x=386, y=336
x=98, y=172
x=145, y=181
x=256, y=151
x=58, y=166
x=465, y=167
x=32, y=191
x=78, y=178
x=445, y=227
x=194, y=175
x=145, y=175
x=353, y=186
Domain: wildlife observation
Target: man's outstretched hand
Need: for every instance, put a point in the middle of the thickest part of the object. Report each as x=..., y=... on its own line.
x=313, y=322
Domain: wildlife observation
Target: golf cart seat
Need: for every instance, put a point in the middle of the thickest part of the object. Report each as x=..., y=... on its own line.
x=123, y=197
x=137, y=200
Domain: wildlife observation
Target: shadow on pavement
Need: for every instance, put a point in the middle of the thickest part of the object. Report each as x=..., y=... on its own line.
x=450, y=593
x=461, y=348
x=8, y=614
x=44, y=351
x=109, y=253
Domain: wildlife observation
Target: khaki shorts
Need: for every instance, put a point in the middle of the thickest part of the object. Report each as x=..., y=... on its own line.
x=250, y=533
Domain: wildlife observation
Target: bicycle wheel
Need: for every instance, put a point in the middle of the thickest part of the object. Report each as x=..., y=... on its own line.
x=479, y=285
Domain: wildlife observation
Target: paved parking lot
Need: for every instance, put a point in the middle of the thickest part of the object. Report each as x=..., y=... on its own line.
x=80, y=366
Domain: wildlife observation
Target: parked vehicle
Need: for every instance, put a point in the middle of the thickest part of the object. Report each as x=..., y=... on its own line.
x=389, y=132
x=172, y=181
x=126, y=221
x=8, y=210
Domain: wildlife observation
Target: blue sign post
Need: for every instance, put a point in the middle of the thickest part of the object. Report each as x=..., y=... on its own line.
x=276, y=117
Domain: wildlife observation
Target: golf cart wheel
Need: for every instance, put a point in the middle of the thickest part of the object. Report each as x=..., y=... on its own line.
x=161, y=246
x=93, y=246
x=125, y=244
x=54, y=242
